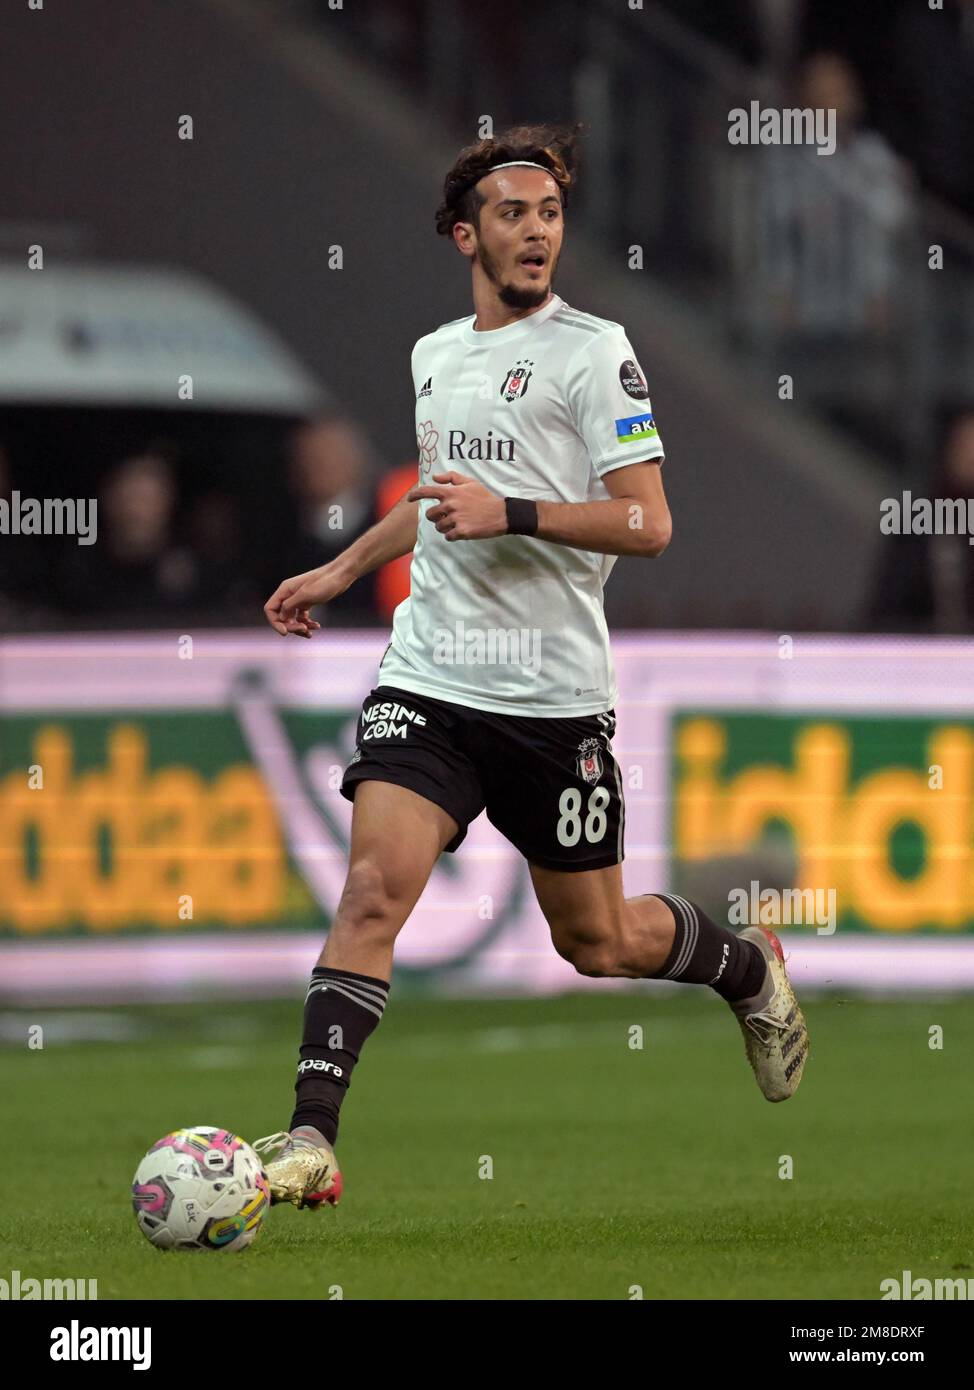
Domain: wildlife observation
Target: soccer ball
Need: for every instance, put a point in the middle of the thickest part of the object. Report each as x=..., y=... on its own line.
x=200, y=1189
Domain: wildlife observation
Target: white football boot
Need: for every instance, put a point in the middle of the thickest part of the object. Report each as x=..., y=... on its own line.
x=775, y=1034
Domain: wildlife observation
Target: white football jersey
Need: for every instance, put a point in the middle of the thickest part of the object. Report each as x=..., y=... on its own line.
x=543, y=409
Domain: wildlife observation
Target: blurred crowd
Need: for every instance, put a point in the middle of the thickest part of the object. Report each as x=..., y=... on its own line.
x=820, y=261
x=838, y=246
x=925, y=583
x=828, y=227
x=170, y=554
x=913, y=62
x=170, y=549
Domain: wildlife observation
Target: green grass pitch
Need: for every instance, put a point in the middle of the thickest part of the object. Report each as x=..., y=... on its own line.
x=613, y=1167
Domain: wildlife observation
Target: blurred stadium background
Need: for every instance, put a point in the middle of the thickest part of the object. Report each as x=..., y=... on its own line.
x=790, y=675
x=796, y=685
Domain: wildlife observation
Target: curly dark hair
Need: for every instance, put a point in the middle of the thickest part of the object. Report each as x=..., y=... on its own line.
x=554, y=146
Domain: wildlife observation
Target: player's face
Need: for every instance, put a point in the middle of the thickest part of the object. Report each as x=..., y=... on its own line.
x=519, y=241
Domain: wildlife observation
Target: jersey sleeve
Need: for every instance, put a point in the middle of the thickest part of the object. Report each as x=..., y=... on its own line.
x=610, y=405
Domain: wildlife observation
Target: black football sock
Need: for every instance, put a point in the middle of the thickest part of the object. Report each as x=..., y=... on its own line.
x=705, y=954
x=340, y=1011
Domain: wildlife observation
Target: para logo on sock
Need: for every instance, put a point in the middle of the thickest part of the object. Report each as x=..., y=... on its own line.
x=319, y=1064
x=723, y=963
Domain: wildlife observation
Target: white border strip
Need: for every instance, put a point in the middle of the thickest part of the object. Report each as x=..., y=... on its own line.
x=132, y=671
x=276, y=965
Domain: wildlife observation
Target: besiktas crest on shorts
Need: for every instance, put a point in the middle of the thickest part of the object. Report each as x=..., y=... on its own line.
x=516, y=382
x=589, y=760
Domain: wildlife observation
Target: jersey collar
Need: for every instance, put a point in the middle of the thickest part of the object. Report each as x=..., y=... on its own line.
x=491, y=336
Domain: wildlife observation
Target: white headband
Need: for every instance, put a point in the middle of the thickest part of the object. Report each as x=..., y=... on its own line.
x=527, y=164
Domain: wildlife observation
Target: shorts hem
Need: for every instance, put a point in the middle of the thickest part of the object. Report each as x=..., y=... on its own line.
x=364, y=773
x=573, y=867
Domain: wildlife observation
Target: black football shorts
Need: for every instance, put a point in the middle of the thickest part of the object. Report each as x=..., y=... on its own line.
x=550, y=786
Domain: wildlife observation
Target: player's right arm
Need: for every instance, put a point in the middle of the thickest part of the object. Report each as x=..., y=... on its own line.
x=288, y=610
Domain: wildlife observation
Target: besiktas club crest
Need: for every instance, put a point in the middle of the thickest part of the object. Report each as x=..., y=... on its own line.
x=516, y=382
x=589, y=760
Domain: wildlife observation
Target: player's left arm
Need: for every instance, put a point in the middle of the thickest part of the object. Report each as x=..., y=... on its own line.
x=633, y=520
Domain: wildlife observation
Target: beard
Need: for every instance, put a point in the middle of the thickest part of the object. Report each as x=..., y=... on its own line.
x=528, y=298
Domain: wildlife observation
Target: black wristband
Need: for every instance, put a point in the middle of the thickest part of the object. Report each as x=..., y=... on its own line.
x=522, y=516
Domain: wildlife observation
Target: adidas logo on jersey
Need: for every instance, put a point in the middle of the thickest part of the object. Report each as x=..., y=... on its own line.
x=426, y=389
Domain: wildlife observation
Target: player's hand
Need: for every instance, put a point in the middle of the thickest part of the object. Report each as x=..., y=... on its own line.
x=288, y=610
x=465, y=510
